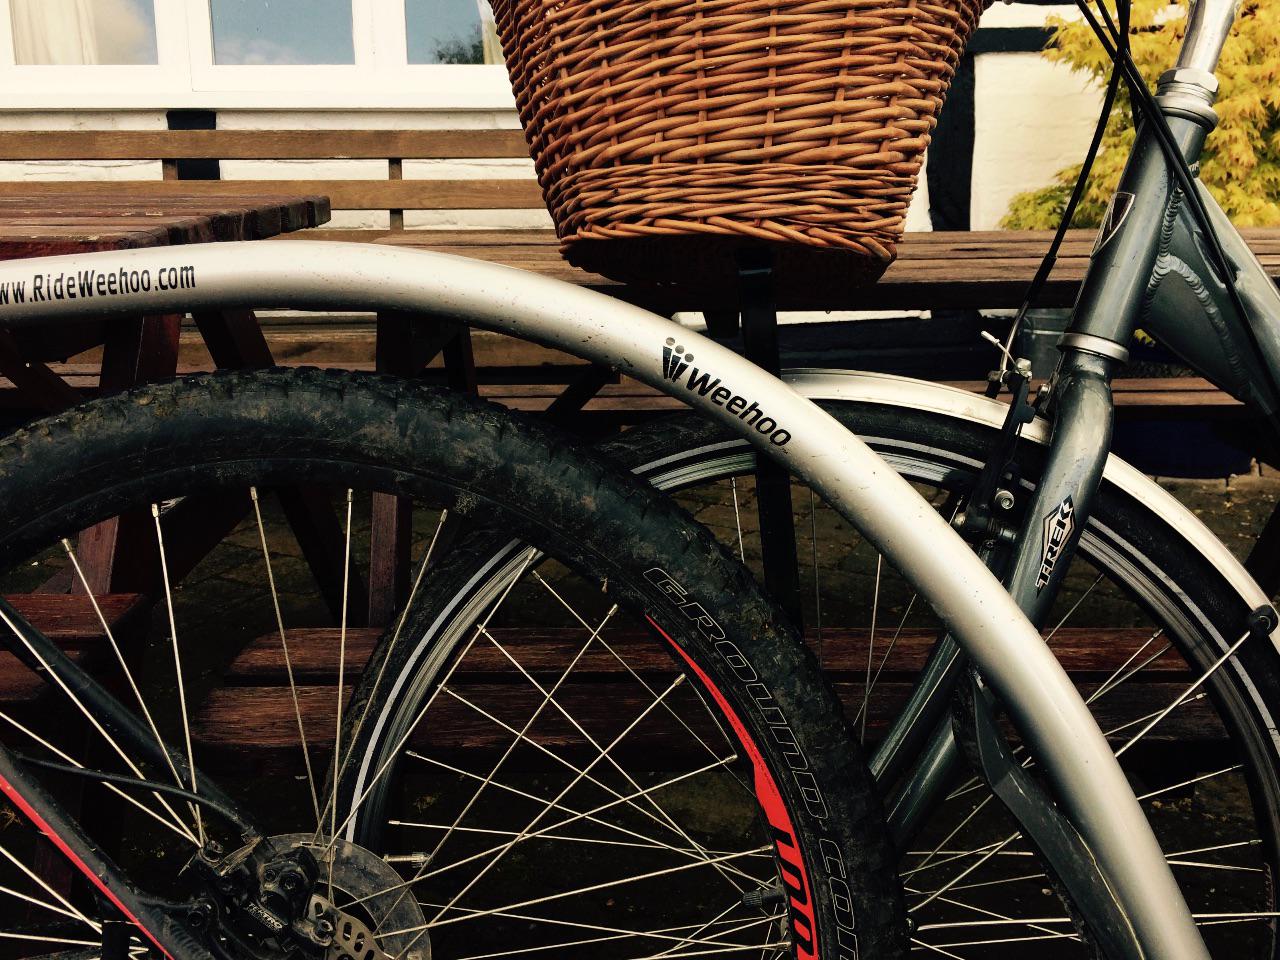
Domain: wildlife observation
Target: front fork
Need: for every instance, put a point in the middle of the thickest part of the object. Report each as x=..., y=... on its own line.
x=951, y=713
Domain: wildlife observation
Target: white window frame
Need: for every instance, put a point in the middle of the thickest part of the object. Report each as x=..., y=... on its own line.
x=187, y=77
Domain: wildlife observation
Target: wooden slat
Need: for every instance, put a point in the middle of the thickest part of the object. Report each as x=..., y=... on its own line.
x=18, y=685
x=314, y=654
x=251, y=717
x=353, y=350
x=257, y=725
x=72, y=623
x=71, y=620
x=260, y=144
x=934, y=270
x=20, y=242
x=343, y=194
x=94, y=209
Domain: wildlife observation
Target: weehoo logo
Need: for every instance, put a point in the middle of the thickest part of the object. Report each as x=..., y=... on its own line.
x=678, y=365
x=674, y=360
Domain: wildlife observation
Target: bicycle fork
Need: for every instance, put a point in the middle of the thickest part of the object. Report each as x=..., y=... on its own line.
x=952, y=713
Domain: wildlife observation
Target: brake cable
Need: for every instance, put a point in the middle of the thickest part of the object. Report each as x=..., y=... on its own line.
x=1116, y=44
x=1068, y=214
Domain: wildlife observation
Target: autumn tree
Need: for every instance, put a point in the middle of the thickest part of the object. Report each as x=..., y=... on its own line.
x=1241, y=161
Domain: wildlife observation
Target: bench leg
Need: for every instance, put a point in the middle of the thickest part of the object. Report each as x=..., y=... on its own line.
x=37, y=383
x=405, y=345
x=118, y=555
x=773, y=482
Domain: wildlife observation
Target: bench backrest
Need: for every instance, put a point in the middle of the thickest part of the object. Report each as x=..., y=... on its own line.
x=394, y=194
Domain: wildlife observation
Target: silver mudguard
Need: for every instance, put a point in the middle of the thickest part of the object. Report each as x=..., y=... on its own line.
x=1004, y=645
x=887, y=390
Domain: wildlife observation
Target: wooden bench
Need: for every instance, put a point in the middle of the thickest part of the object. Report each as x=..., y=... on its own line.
x=987, y=270
x=934, y=272
x=248, y=723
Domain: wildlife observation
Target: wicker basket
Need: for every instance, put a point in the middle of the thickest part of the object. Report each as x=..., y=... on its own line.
x=670, y=134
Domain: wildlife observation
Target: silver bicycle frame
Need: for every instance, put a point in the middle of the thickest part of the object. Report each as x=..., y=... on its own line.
x=1003, y=644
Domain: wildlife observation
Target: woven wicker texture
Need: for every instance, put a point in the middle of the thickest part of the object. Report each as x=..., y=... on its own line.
x=727, y=123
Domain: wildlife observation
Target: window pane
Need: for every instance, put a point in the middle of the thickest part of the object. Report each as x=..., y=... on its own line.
x=281, y=31
x=451, y=31
x=83, y=31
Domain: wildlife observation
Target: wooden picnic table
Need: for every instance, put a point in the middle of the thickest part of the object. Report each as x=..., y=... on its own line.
x=988, y=269
x=40, y=224
x=134, y=349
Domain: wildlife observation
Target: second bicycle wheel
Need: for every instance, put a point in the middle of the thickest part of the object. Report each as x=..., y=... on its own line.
x=621, y=752
x=1149, y=628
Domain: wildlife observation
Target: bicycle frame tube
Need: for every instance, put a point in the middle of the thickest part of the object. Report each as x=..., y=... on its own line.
x=1007, y=649
x=1150, y=268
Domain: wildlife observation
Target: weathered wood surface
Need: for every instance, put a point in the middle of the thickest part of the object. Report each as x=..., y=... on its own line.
x=990, y=269
x=353, y=350
x=343, y=194
x=38, y=220
x=261, y=144
x=68, y=620
x=252, y=715
x=314, y=654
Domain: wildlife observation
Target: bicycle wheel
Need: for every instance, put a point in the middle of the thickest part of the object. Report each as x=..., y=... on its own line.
x=1189, y=706
x=628, y=755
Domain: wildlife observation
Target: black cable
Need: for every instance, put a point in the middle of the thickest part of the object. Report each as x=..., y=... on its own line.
x=1050, y=259
x=1117, y=47
x=165, y=788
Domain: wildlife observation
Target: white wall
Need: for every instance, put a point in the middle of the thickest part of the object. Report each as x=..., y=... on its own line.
x=1032, y=118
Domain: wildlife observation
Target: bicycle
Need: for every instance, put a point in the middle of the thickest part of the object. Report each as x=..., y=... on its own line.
x=796, y=852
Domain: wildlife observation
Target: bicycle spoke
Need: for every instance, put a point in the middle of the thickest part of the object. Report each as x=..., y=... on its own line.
x=1187, y=693
x=1105, y=686
x=921, y=945
x=893, y=642
x=737, y=519
x=625, y=664
x=37, y=902
x=719, y=916
x=1210, y=919
x=947, y=839
x=576, y=815
x=520, y=736
x=489, y=831
x=871, y=647
x=1105, y=689
x=580, y=773
x=1193, y=780
x=404, y=737
x=616, y=933
x=1215, y=848
x=31, y=875
x=994, y=941
x=541, y=813
x=1036, y=924
x=341, y=686
x=119, y=655
x=549, y=697
x=395, y=636
x=964, y=873
x=175, y=825
x=42, y=938
x=592, y=888
x=177, y=667
x=288, y=661
x=1074, y=607
x=88, y=715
